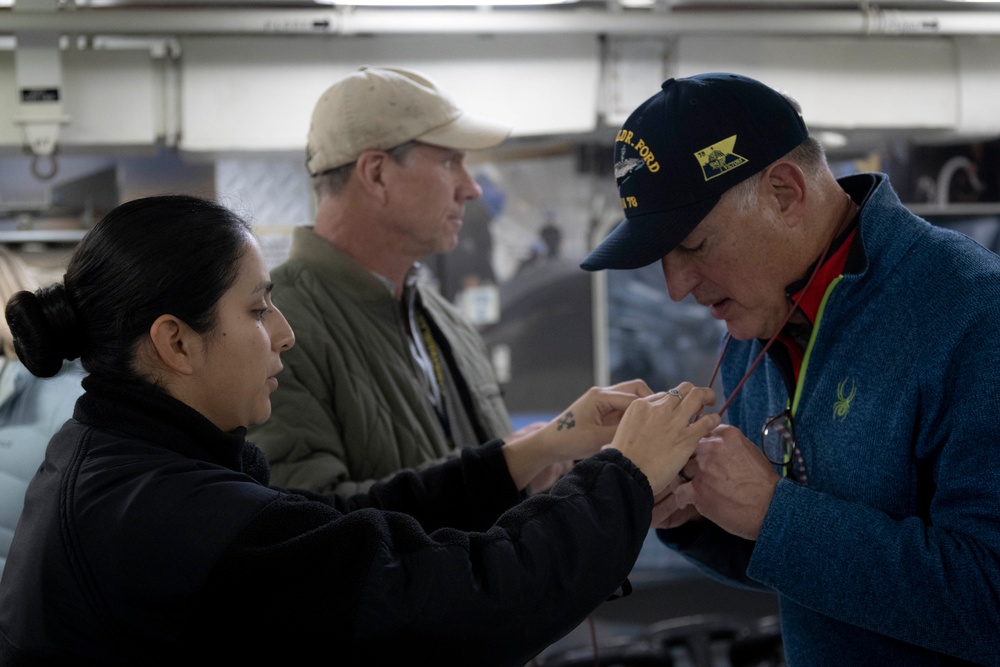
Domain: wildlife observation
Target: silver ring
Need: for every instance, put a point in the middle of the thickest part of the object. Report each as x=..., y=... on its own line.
x=674, y=392
x=683, y=475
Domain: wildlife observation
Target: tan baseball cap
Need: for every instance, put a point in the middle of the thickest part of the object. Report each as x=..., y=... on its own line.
x=378, y=108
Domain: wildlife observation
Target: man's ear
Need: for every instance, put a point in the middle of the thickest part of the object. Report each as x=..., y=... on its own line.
x=370, y=170
x=787, y=184
x=175, y=343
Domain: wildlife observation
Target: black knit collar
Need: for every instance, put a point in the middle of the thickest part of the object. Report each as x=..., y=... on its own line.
x=142, y=411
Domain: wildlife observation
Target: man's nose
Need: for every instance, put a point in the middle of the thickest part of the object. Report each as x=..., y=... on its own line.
x=681, y=279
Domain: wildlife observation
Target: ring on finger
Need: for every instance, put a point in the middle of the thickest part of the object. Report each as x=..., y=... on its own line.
x=674, y=392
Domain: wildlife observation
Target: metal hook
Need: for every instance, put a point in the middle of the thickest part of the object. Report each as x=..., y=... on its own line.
x=44, y=176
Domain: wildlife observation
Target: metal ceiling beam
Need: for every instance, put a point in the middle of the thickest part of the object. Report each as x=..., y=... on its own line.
x=357, y=21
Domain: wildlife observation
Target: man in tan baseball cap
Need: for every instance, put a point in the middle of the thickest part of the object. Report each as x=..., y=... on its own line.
x=385, y=374
x=380, y=108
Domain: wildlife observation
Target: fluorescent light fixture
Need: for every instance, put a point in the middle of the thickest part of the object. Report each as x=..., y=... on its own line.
x=442, y=3
x=830, y=139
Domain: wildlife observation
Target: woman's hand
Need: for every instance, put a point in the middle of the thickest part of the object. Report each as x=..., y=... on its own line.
x=591, y=421
x=659, y=433
x=578, y=432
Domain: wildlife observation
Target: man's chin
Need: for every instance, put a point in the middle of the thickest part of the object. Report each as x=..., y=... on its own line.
x=740, y=331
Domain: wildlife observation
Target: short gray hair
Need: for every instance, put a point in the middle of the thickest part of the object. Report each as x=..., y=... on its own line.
x=332, y=182
x=809, y=155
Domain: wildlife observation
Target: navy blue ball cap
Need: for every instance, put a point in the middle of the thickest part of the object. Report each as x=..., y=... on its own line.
x=680, y=150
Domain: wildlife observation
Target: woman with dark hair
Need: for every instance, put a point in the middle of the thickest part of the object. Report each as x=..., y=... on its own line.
x=150, y=534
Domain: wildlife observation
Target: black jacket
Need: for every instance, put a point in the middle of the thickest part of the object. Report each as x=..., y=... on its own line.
x=151, y=537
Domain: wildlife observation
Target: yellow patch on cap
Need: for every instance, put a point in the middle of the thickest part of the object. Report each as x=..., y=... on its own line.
x=719, y=158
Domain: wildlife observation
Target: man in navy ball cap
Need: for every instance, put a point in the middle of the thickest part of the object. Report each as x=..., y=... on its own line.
x=681, y=150
x=856, y=475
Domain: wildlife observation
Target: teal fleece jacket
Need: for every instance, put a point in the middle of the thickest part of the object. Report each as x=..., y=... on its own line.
x=890, y=555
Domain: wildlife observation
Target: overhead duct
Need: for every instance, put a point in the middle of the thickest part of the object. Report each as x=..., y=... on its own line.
x=940, y=89
x=730, y=20
x=854, y=69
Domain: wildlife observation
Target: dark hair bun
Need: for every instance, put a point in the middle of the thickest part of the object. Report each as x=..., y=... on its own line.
x=45, y=329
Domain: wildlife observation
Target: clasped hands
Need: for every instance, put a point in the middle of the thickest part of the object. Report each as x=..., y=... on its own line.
x=656, y=431
x=728, y=481
x=666, y=436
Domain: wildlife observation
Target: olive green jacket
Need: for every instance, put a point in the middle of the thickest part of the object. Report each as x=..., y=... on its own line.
x=350, y=408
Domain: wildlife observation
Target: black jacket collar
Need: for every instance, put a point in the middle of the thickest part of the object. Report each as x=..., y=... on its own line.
x=143, y=411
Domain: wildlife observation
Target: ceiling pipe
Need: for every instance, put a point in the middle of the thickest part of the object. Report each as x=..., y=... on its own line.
x=361, y=21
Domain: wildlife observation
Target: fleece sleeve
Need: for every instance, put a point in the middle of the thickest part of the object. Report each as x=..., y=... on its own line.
x=375, y=583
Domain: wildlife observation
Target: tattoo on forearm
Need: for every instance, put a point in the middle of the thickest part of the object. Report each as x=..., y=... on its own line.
x=566, y=421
